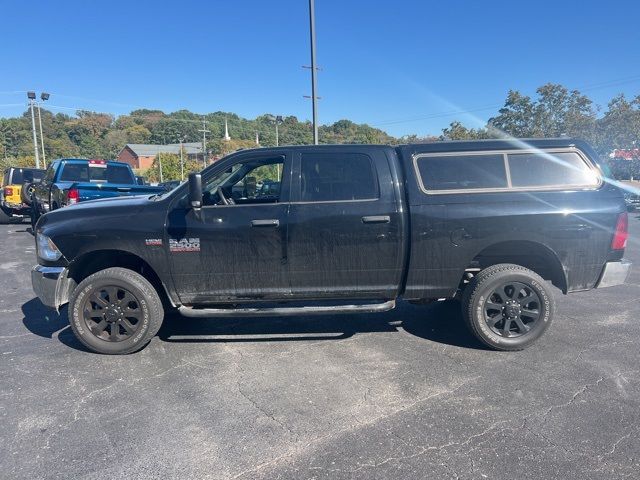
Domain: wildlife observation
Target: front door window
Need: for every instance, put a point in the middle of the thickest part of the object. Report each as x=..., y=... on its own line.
x=251, y=182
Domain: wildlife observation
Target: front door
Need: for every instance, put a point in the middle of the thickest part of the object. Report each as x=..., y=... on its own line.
x=234, y=248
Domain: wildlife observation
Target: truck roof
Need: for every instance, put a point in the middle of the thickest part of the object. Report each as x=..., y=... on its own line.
x=444, y=145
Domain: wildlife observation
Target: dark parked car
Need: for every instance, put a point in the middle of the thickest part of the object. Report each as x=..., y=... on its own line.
x=349, y=229
x=633, y=202
x=68, y=181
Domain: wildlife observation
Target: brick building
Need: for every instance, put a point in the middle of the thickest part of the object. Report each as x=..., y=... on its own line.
x=141, y=155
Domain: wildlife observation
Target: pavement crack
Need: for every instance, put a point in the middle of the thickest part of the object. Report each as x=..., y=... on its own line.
x=301, y=448
x=574, y=397
x=614, y=446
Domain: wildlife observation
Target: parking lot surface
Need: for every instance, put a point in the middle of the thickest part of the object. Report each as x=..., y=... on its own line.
x=406, y=394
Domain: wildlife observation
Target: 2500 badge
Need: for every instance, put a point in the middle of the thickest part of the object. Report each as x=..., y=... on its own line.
x=184, y=245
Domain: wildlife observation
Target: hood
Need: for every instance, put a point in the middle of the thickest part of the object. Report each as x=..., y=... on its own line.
x=107, y=207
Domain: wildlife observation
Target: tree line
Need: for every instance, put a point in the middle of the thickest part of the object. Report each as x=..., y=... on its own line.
x=554, y=111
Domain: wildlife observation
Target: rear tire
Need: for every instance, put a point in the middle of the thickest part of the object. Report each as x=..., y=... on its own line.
x=115, y=311
x=508, y=307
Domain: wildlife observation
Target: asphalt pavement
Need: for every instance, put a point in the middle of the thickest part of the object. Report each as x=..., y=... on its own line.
x=405, y=394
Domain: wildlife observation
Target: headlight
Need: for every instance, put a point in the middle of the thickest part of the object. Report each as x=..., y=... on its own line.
x=47, y=250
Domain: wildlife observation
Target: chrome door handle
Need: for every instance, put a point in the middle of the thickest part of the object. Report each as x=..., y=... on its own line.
x=265, y=223
x=376, y=219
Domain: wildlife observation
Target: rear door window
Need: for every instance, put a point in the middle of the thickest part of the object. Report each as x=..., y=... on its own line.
x=540, y=169
x=462, y=172
x=337, y=177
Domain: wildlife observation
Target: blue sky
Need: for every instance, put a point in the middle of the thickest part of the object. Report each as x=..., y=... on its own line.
x=404, y=66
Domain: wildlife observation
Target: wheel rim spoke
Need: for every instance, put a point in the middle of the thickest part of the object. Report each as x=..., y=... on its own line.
x=506, y=328
x=493, y=306
x=114, y=331
x=527, y=300
x=127, y=299
x=99, y=300
x=112, y=294
x=521, y=325
x=127, y=326
x=533, y=314
x=133, y=314
x=100, y=326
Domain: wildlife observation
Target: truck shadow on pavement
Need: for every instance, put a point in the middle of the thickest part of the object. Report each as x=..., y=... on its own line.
x=439, y=322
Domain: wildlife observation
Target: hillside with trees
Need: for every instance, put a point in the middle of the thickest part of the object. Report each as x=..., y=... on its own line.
x=552, y=112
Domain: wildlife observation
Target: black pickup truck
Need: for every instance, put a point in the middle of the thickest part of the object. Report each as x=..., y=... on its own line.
x=343, y=229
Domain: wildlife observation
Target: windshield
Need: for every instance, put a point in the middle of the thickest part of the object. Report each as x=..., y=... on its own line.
x=99, y=173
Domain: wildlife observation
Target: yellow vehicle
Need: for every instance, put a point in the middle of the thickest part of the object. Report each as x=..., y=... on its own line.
x=15, y=194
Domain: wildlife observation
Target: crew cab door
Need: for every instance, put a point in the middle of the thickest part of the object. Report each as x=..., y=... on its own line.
x=233, y=251
x=345, y=230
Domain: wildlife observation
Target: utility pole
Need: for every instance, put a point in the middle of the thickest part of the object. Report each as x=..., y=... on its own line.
x=181, y=160
x=32, y=97
x=278, y=121
x=44, y=97
x=312, y=25
x=204, y=141
x=160, y=165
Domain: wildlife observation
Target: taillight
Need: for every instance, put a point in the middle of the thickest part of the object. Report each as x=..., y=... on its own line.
x=8, y=191
x=73, y=196
x=621, y=234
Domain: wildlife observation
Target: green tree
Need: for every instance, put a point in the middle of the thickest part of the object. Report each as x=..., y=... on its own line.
x=620, y=125
x=171, y=169
x=457, y=131
x=517, y=117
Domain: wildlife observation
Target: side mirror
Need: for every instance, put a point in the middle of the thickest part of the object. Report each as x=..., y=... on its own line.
x=195, y=190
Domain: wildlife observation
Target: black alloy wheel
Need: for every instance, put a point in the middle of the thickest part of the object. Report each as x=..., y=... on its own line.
x=512, y=309
x=112, y=313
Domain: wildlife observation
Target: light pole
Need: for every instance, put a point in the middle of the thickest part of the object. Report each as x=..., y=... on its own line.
x=277, y=120
x=44, y=97
x=32, y=97
x=312, y=31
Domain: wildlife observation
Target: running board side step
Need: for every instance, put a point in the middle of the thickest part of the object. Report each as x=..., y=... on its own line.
x=285, y=311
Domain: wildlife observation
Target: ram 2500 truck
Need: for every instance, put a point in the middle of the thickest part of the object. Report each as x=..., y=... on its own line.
x=71, y=180
x=343, y=229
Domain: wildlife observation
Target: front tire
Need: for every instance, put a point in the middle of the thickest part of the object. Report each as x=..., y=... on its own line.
x=115, y=311
x=508, y=307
